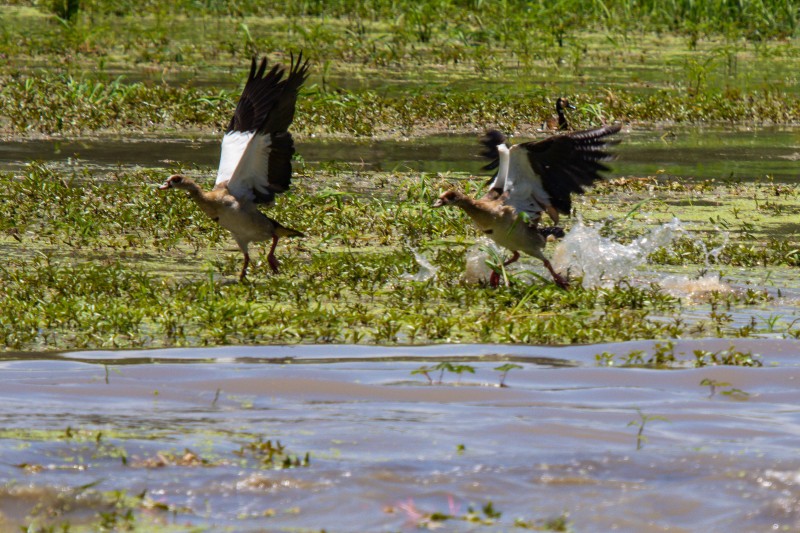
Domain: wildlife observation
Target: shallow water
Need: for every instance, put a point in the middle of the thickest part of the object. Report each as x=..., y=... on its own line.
x=692, y=153
x=386, y=448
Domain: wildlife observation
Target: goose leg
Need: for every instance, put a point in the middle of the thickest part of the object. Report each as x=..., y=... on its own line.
x=514, y=258
x=558, y=278
x=494, y=278
x=271, y=259
x=244, y=266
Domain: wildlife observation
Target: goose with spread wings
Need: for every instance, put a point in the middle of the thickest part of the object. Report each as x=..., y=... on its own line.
x=533, y=178
x=256, y=159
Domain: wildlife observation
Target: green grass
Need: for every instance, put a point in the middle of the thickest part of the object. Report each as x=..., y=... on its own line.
x=104, y=260
x=62, y=104
x=400, y=68
x=116, y=263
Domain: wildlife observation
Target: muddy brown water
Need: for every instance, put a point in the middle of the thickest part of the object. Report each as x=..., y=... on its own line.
x=386, y=447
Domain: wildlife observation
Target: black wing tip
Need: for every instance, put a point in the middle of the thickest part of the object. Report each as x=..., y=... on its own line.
x=596, y=133
x=298, y=67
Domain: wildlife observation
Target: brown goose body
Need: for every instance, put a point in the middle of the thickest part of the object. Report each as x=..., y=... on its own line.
x=255, y=163
x=533, y=178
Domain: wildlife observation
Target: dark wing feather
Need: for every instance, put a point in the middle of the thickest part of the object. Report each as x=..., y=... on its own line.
x=258, y=98
x=279, y=163
x=256, y=162
x=282, y=113
x=568, y=163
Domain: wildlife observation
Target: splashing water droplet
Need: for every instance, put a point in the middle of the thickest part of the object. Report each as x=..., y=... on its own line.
x=601, y=260
x=694, y=288
x=426, y=269
x=477, y=271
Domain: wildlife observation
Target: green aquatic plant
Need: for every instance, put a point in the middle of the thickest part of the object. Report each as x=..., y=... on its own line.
x=504, y=370
x=712, y=385
x=114, y=264
x=443, y=367
x=486, y=516
x=730, y=356
x=271, y=455
x=732, y=392
x=642, y=421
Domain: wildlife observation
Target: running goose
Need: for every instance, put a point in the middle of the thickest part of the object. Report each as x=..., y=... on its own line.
x=532, y=178
x=256, y=160
x=559, y=122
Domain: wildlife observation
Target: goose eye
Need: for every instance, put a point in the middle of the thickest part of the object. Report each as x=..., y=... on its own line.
x=177, y=179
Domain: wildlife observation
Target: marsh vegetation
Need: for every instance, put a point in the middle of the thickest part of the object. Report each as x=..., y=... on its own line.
x=251, y=433
x=115, y=263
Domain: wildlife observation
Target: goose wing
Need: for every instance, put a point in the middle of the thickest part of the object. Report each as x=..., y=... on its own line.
x=541, y=175
x=515, y=183
x=565, y=164
x=257, y=149
x=493, y=142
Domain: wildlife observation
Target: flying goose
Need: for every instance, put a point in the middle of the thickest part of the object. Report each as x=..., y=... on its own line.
x=559, y=122
x=256, y=159
x=532, y=178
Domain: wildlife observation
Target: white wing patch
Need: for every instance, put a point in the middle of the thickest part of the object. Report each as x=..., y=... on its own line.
x=243, y=164
x=234, y=145
x=523, y=187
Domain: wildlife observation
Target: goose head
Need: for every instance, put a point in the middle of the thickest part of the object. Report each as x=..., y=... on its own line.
x=562, y=103
x=176, y=181
x=449, y=198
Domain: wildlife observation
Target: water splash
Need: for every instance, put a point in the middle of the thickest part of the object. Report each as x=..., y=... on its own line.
x=477, y=271
x=714, y=252
x=426, y=269
x=690, y=289
x=601, y=260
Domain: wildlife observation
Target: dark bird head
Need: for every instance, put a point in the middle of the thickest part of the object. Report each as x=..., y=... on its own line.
x=490, y=142
x=562, y=103
x=176, y=181
x=449, y=198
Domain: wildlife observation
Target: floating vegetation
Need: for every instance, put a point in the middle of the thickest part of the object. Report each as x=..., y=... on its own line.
x=640, y=423
x=487, y=516
x=730, y=391
x=399, y=68
x=664, y=355
x=115, y=264
x=93, y=506
x=272, y=455
x=444, y=366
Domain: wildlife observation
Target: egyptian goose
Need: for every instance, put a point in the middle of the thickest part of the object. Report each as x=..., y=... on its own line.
x=559, y=122
x=256, y=160
x=532, y=178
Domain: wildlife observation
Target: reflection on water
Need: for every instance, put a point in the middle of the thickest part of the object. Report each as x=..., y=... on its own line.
x=699, y=153
x=384, y=443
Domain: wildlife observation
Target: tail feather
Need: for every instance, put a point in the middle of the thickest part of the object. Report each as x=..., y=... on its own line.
x=281, y=231
x=556, y=231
